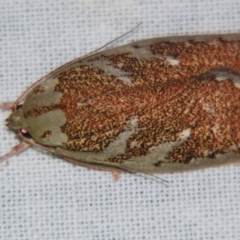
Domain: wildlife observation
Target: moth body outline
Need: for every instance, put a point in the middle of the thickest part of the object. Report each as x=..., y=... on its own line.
x=159, y=105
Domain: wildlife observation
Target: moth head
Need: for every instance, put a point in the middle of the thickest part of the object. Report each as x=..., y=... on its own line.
x=16, y=120
x=44, y=129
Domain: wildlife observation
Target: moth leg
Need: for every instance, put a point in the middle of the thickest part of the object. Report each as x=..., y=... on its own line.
x=15, y=150
x=115, y=175
x=6, y=105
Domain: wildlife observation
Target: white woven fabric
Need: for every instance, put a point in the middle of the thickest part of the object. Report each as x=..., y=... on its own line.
x=43, y=197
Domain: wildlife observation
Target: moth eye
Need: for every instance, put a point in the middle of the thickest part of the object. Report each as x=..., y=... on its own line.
x=25, y=133
x=19, y=106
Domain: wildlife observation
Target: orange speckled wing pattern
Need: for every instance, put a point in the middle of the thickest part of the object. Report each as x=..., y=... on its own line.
x=165, y=105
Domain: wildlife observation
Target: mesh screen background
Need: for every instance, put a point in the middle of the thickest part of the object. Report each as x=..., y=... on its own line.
x=44, y=197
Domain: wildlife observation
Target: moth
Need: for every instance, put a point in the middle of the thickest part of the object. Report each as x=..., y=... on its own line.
x=159, y=105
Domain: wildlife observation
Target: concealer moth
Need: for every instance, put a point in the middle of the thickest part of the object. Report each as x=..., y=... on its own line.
x=159, y=105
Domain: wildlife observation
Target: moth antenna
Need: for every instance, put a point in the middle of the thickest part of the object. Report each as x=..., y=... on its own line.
x=153, y=176
x=164, y=181
x=145, y=173
x=115, y=39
